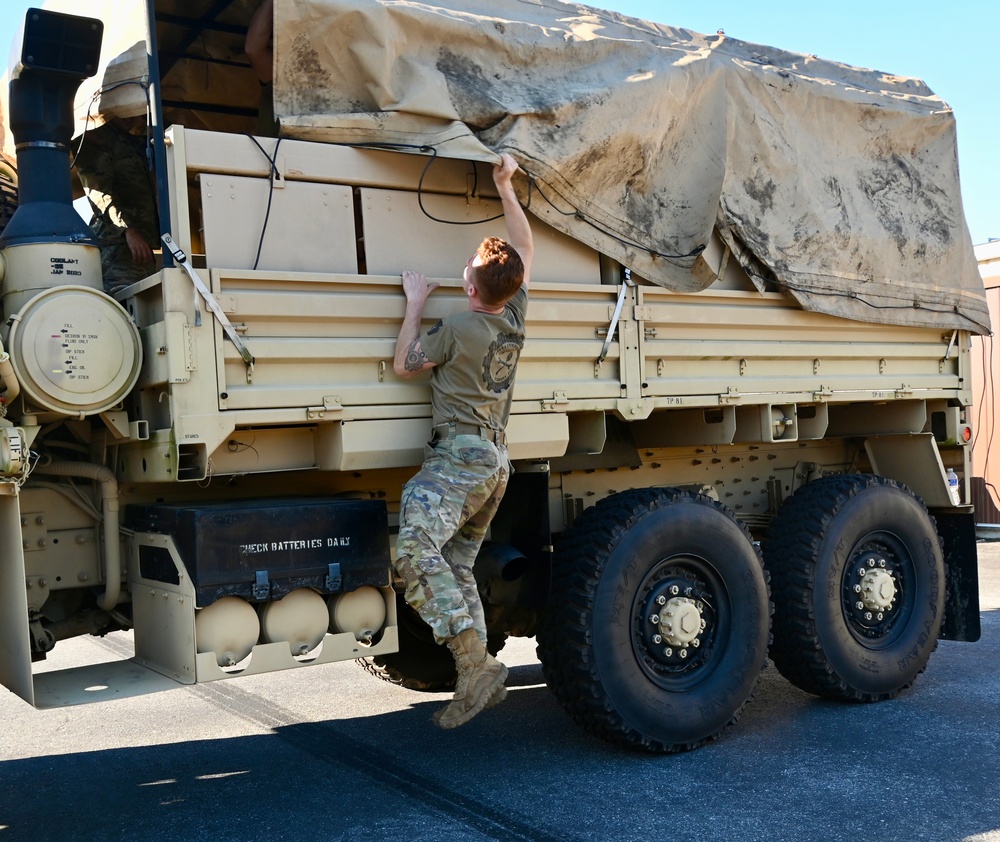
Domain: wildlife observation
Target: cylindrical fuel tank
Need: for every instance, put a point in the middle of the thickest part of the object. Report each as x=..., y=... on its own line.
x=228, y=627
x=361, y=612
x=300, y=618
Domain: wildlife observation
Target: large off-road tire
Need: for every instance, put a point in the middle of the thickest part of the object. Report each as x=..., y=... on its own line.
x=421, y=664
x=658, y=624
x=858, y=578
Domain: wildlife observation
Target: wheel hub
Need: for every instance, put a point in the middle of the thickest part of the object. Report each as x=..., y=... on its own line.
x=878, y=590
x=680, y=621
x=675, y=621
x=873, y=586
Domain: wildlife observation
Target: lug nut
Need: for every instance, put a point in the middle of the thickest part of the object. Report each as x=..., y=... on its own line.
x=696, y=643
x=868, y=615
x=881, y=562
x=668, y=652
x=661, y=600
x=683, y=653
x=654, y=619
x=657, y=639
x=674, y=590
x=859, y=605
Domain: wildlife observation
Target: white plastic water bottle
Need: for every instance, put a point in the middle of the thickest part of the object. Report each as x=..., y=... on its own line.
x=956, y=500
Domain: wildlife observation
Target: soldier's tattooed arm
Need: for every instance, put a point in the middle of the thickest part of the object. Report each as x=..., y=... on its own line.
x=416, y=359
x=410, y=359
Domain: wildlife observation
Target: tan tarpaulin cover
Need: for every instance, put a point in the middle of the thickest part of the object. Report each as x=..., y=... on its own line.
x=840, y=185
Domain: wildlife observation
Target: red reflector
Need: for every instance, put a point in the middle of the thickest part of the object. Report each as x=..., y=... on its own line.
x=966, y=433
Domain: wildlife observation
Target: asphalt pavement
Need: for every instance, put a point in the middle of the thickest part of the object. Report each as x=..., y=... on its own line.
x=332, y=753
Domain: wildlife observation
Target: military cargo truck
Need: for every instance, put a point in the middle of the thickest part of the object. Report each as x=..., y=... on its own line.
x=731, y=437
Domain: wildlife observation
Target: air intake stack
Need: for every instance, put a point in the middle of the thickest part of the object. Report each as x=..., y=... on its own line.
x=73, y=350
x=58, y=52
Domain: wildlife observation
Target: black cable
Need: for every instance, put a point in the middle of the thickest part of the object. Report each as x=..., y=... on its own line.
x=993, y=419
x=270, y=193
x=855, y=297
x=982, y=396
x=420, y=196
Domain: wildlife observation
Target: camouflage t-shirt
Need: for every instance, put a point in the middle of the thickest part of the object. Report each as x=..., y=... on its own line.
x=476, y=356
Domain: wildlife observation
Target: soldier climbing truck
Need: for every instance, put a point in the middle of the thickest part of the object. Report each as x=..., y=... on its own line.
x=745, y=381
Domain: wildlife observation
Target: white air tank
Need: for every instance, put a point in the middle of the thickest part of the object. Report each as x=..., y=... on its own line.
x=300, y=618
x=361, y=612
x=228, y=627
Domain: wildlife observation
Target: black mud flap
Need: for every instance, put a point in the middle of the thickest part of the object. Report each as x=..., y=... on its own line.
x=961, y=558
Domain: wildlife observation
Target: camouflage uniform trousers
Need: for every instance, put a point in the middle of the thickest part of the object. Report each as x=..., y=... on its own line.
x=445, y=512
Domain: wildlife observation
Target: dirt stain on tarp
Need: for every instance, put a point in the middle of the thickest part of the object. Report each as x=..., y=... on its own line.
x=471, y=91
x=310, y=82
x=925, y=217
x=761, y=192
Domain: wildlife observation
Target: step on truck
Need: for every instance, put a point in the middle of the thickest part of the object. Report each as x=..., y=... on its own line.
x=745, y=382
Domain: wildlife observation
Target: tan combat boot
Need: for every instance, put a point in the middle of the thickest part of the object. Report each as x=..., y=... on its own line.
x=480, y=681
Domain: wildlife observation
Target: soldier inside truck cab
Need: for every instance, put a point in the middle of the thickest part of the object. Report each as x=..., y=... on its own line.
x=115, y=169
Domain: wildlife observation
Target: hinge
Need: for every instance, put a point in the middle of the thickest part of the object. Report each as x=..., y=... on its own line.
x=822, y=393
x=331, y=403
x=559, y=399
x=904, y=391
x=732, y=396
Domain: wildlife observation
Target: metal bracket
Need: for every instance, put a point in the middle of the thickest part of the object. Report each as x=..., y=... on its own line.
x=261, y=586
x=732, y=396
x=822, y=393
x=904, y=391
x=178, y=254
x=334, y=581
x=626, y=283
x=947, y=353
x=723, y=264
